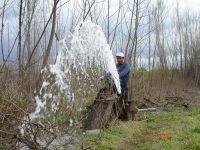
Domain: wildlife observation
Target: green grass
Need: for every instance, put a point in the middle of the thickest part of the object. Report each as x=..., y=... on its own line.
x=182, y=129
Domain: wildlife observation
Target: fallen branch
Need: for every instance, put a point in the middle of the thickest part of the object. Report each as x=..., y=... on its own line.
x=151, y=103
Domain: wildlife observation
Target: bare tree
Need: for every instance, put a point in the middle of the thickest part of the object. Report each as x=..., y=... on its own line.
x=48, y=50
x=2, y=27
x=159, y=36
x=20, y=36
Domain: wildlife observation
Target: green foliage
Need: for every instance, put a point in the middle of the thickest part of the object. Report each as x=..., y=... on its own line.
x=182, y=130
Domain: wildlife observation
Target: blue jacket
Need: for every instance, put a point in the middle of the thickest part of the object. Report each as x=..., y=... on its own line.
x=123, y=70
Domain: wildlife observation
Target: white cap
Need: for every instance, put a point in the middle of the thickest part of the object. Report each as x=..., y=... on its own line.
x=120, y=54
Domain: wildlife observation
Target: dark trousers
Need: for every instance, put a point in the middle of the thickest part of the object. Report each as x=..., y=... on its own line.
x=124, y=95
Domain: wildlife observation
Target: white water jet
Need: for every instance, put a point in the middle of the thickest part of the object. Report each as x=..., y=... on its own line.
x=85, y=48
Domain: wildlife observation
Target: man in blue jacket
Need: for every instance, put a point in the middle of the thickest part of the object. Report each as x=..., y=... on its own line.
x=123, y=70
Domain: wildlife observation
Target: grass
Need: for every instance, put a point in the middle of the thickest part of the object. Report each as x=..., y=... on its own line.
x=166, y=131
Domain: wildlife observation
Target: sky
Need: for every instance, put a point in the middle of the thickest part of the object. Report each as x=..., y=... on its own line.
x=185, y=4
x=192, y=5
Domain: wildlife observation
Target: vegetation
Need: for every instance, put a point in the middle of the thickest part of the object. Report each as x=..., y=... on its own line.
x=161, y=43
x=164, y=130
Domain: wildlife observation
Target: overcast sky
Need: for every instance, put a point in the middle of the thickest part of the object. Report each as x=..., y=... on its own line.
x=11, y=18
x=192, y=4
x=184, y=4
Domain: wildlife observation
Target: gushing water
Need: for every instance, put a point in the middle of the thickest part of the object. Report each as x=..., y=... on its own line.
x=86, y=48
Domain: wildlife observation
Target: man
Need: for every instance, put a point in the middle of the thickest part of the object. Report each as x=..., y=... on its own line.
x=123, y=70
